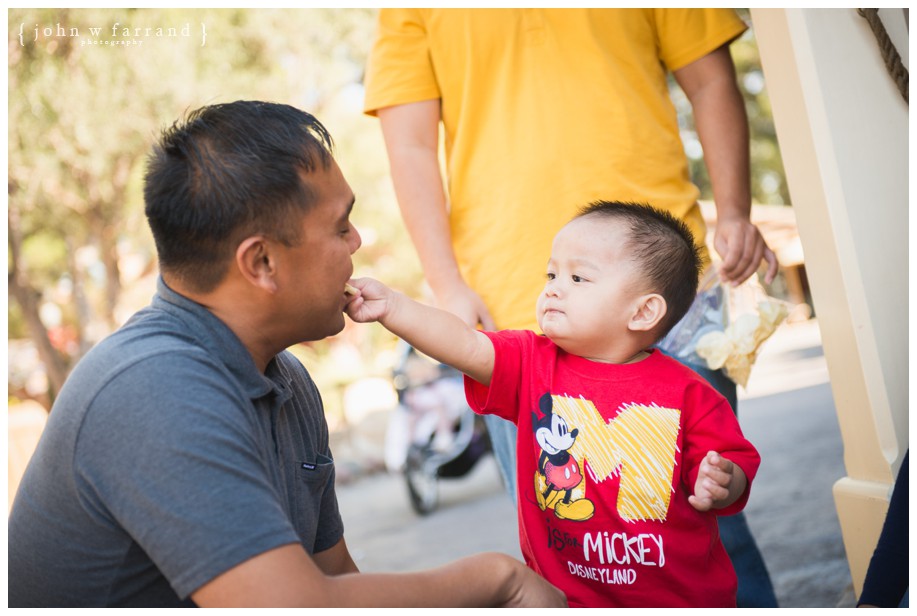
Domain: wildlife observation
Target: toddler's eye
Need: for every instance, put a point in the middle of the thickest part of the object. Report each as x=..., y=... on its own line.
x=577, y=278
x=550, y=276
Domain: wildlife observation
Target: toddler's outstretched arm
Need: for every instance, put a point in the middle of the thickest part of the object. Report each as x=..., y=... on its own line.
x=719, y=483
x=437, y=333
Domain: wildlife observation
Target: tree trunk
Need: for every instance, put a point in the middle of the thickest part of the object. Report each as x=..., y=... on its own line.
x=108, y=248
x=78, y=297
x=28, y=299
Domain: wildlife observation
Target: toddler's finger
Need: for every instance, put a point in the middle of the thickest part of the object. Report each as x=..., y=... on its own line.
x=701, y=504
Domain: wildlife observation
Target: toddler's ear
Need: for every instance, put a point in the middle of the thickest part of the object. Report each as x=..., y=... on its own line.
x=649, y=312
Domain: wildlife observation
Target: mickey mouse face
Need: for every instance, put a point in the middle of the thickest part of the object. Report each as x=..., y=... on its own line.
x=551, y=431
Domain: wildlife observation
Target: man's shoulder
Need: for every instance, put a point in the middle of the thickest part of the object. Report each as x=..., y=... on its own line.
x=146, y=336
x=151, y=380
x=139, y=361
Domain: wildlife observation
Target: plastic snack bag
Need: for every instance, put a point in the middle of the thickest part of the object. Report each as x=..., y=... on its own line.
x=726, y=326
x=704, y=316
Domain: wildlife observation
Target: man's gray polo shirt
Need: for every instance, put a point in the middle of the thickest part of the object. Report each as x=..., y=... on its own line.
x=168, y=458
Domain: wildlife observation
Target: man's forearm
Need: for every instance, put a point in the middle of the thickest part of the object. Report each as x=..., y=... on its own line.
x=483, y=580
x=418, y=187
x=722, y=127
x=287, y=577
x=723, y=131
x=412, y=141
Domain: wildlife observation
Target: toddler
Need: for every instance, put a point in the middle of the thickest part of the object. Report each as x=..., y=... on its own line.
x=624, y=456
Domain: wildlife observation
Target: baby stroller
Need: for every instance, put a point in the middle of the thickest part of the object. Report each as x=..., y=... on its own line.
x=433, y=434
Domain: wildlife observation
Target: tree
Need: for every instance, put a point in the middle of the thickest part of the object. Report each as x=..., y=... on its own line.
x=88, y=90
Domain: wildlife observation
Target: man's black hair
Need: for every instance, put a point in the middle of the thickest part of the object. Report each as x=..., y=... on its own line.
x=663, y=248
x=226, y=172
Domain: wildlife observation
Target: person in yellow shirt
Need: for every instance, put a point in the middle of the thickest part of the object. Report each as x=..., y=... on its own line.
x=543, y=110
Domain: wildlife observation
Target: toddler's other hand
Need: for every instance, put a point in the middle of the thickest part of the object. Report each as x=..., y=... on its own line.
x=713, y=481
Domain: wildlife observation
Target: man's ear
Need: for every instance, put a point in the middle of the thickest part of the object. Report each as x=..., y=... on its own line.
x=257, y=262
x=650, y=311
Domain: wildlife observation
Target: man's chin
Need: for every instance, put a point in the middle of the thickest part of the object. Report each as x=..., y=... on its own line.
x=336, y=326
x=333, y=327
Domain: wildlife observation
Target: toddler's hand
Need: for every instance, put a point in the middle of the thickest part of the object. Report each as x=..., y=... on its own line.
x=369, y=300
x=713, y=481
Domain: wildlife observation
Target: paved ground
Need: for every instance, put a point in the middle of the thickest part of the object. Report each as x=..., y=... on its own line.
x=787, y=411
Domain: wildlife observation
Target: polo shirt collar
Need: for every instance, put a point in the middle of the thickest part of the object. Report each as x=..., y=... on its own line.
x=215, y=336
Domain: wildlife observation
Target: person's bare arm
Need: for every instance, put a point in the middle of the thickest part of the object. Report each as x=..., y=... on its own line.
x=437, y=333
x=411, y=134
x=722, y=126
x=335, y=560
x=287, y=577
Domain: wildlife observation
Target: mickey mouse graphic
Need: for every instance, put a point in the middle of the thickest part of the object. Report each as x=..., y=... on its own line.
x=558, y=471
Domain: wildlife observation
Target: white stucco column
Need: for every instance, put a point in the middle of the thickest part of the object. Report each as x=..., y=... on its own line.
x=843, y=131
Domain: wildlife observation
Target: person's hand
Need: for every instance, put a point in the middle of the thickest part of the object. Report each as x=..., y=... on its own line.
x=714, y=480
x=532, y=590
x=742, y=248
x=462, y=301
x=369, y=300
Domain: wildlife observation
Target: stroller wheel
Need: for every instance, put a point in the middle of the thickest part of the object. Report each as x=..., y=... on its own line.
x=422, y=482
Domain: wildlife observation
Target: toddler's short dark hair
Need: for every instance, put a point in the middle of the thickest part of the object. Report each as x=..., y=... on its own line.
x=663, y=248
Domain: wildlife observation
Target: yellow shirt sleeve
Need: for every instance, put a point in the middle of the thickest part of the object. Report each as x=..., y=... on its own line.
x=399, y=69
x=686, y=35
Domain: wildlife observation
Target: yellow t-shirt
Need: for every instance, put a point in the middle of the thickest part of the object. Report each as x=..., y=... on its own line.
x=545, y=111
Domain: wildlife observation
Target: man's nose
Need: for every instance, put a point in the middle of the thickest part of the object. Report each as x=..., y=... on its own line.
x=356, y=240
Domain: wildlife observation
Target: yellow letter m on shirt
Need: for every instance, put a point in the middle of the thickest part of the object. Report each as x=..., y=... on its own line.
x=639, y=444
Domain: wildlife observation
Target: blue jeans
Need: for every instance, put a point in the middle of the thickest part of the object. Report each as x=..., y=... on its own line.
x=503, y=441
x=755, y=587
